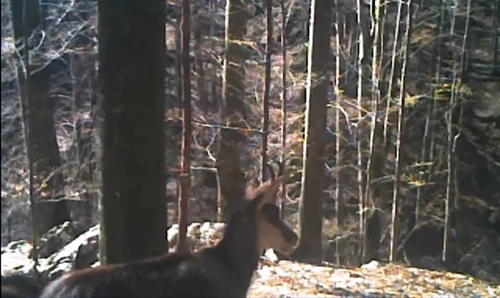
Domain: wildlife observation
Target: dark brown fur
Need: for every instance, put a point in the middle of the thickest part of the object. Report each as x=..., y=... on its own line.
x=20, y=286
x=224, y=270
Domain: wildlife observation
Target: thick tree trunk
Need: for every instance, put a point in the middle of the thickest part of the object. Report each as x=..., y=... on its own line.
x=311, y=199
x=42, y=147
x=132, y=78
x=231, y=180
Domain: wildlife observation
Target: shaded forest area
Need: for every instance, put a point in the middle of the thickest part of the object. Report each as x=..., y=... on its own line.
x=405, y=158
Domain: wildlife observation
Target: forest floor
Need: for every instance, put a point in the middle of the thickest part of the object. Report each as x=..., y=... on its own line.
x=294, y=279
x=283, y=278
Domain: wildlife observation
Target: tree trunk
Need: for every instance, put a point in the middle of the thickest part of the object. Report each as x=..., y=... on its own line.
x=361, y=144
x=198, y=60
x=339, y=175
x=311, y=201
x=82, y=75
x=284, y=111
x=185, y=177
x=267, y=87
x=132, y=77
x=375, y=164
x=394, y=243
x=42, y=147
x=231, y=179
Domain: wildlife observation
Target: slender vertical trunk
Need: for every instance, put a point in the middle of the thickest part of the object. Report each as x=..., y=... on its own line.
x=449, y=155
x=437, y=77
x=399, y=143
x=283, y=104
x=339, y=204
x=178, y=61
x=392, y=75
x=214, y=66
x=359, y=140
x=370, y=168
x=198, y=54
x=422, y=177
x=185, y=178
x=267, y=85
x=461, y=81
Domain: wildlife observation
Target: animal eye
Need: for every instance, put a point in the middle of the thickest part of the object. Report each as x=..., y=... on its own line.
x=271, y=210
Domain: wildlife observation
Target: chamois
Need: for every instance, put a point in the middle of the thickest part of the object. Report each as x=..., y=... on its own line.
x=224, y=270
x=20, y=286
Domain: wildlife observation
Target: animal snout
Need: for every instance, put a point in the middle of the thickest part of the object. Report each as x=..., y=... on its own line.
x=291, y=238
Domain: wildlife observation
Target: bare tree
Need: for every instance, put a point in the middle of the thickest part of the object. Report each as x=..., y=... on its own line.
x=339, y=204
x=452, y=135
x=350, y=35
x=214, y=65
x=423, y=159
x=392, y=76
x=178, y=53
x=132, y=107
x=376, y=158
x=375, y=94
x=267, y=84
x=198, y=54
x=231, y=178
x=359, y=142
x=284, y=109
x=311, y=197
x=437, y=76
x=46, y=180
x=81, y=64
x=401, y=119
x=185, y=177
x=459, y=80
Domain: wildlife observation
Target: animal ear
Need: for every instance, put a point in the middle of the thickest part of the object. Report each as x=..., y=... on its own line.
x=272, y=189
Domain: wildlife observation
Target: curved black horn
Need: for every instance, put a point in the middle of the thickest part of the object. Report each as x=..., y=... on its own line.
x=271, y=171
x=270, y=168
x=281, y=167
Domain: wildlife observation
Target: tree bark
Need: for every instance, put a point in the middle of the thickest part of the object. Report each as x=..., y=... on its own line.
x=132, y=106
x=232, y=182
x=40, y=133
x=185, y=177
x=311, y=198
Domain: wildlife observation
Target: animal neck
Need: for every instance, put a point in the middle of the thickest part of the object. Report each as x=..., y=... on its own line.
x=238, y=249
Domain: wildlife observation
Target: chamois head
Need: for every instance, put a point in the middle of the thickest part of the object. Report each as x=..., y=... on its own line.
x=272, y=231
